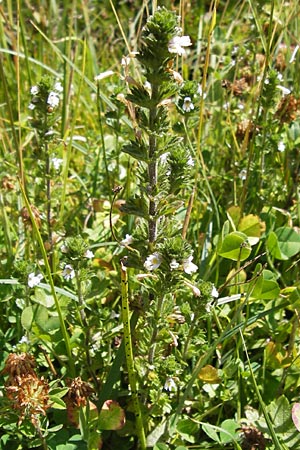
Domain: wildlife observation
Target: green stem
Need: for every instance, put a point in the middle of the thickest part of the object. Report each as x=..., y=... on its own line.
x=50, y=279
x=129, y=358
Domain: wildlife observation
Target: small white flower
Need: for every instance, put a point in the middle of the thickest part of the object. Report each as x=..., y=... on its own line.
x=214, y=292
x=128, y=240
x=153, y=261
x=243, y=174
x=188, y=106
x=53, y=99
x=284, y=90
x=174, y=264
x=31, y=106
x=56, y=162
x=68, y=272
x=188, y=266
x=170, y=385
x=199, y=91
x=279, y=76
x=34, y=90
x=195, y=289
x=177, y=44
x=89, y=254
x=34, y=280
x=281, y=146
x=58, y=87
x=164, y=157
x=190, y=162
x=24, y=340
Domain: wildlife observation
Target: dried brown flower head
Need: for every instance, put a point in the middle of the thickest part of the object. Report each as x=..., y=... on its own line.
x=253, y=439
x=26, y=216
x=288, y=109
x=79, y=391
x=18, y=365
x=238, y=87
x=7, y=183
x=29, y=396
x=243, y=127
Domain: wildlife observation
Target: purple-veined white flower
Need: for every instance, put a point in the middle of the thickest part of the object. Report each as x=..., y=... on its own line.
x=188, y=105
x=68, y=272
x=174, y=264
x=89, y=254
x=170, y=384
x=177, y=44
x=188, y=266
x=53, y=99
x=34, y=90
x=128, y=240
x=34, y=280
x=58, y=87
x=56, y=162
x=153, y=261
x=214, y=292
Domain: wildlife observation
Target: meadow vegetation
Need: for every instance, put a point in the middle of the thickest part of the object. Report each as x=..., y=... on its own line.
x=149, y=247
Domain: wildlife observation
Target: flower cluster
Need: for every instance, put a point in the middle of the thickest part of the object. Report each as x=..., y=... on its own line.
x=27, y=392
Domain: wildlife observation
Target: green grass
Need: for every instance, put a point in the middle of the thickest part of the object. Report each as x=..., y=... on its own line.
x=205, y=368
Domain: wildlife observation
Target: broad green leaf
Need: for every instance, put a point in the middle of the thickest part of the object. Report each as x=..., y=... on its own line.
x=235, y=246
x=229, y=434
x=273, y=246
x=235, y=214
x=252, y=227
x=288, y=241
x=112, y=416
x=266, y=288
x=283, y=243
x=34, y=314
x=211, y=432
x=57, y=402
x=160, y=446
x=187, y=428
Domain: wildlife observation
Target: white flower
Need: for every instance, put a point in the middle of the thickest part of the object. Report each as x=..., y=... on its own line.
x=214, y=292
x=53, y=99
x=24, y=340
x=31, y=106
x=177, y=44
x=170, y=384
x=128, y=240
x=58, y=87
x=174, y=264
x=89, y=254
x=188, y=266
x=196, y=291
x=56, y=162
x=153, y=261
x=188, y=106
x=34, y=90
x=199, y=91
x=284, y=90
x=34, y=280
x=281, y=146
x=68, y=272
x=243, y=174
x=190, y=162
